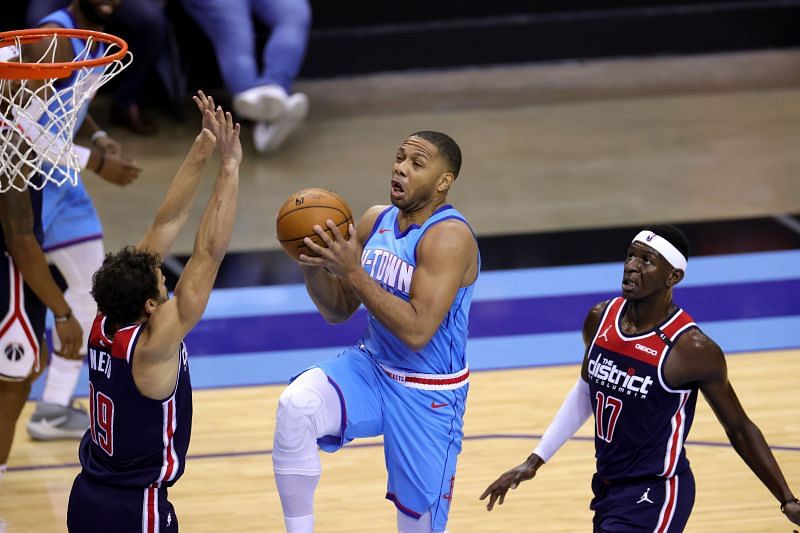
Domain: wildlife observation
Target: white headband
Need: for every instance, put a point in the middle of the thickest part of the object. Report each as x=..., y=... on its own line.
x=663, y=247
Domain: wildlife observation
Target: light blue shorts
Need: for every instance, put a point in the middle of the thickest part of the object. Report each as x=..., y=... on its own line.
x=422, y=431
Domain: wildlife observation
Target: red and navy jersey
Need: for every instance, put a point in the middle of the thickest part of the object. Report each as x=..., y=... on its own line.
x=641, y=423
x=133, y=441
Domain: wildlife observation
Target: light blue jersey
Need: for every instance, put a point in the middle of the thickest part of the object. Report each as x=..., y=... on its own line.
x=68, y=215
x=416, y=400
x=390, y=257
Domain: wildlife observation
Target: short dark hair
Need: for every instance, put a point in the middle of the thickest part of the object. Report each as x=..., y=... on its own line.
x=672, y=234
x=124, y=283
x=447, y=147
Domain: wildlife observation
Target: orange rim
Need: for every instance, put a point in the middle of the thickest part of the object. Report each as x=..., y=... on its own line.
x=11, y=70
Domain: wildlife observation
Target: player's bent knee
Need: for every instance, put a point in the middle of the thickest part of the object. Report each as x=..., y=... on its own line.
x=308, y=409
x=297, y=408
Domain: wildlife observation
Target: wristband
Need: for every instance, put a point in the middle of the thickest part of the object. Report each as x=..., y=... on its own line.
x=99, y=134
x=63, y=318
x=787, y=502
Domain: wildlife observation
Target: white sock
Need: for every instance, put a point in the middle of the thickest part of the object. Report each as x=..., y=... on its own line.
x=297, y=500
x=299, y=524
x=62, y=377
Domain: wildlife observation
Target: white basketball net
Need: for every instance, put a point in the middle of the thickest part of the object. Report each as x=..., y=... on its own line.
x=38, y=119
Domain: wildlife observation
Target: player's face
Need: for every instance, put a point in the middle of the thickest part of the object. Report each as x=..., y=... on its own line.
x=645, y=272
x=162, y=287
x=417, y=169
x=98, y=11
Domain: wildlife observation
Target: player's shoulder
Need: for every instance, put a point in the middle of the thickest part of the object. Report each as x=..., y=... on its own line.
x=367, y=221
x=695, y=343
x=593, y=317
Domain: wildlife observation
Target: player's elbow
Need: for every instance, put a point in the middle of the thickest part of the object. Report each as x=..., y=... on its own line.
x=334, y=317
x=416, y=341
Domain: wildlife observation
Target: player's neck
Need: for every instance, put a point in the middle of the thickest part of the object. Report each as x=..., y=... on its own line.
x=419, y=214
x=647, y=313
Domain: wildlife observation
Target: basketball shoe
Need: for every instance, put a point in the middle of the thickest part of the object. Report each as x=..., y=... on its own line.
x=51, y=421
x=269, y=136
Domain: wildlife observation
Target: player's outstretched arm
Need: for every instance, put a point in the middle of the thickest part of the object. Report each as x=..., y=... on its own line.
x=574, y=411
x=701, y=360
x=175, y=318
x=16, y=217
x=334, y=298
x=180, y=196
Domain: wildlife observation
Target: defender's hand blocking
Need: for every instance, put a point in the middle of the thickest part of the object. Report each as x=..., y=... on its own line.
x=509, y=480
x=340, y=256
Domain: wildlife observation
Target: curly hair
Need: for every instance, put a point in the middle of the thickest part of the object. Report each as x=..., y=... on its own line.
x=124, y=283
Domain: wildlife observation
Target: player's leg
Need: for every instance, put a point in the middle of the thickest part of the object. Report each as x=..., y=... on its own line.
x=94, y=507
x=307, y=410
x=55, y=416
x=289, y=22
x=13, y=395
x=310, y=413
x=229, y=27
x=21, y=361
x=407, y=524
x=422, y=440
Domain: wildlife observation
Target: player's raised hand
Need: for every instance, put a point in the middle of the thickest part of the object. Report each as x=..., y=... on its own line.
x=206, y=103
x=511, y=480
x=340, y=256
x=228, y=144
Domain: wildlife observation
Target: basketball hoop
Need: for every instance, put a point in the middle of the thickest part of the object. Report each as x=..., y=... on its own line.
x=38, y=115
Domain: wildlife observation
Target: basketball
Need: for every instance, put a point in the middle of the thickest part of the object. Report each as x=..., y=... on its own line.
x=302, y=211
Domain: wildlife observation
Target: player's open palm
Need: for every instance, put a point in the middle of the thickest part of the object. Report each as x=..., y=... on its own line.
x=509, y=480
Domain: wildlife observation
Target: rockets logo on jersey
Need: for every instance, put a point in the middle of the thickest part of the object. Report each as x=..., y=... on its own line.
x=386, y=268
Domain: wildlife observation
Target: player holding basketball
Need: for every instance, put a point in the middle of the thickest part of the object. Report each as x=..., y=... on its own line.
x=73, y=236
x=139, y=386
x=645, y=362
x=413, y=265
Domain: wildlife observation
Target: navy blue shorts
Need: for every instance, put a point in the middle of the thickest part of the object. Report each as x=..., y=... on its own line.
x=94, y=507
x=657, y=504
x=22, y=316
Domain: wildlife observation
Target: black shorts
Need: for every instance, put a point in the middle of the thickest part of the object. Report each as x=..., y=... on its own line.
x=94, y=507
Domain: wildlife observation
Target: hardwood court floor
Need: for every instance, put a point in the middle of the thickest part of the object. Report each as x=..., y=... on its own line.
x=228, y=484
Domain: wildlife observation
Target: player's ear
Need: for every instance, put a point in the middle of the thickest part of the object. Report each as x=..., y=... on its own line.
x=150, y=306
x=445, y=181
x=674, y=277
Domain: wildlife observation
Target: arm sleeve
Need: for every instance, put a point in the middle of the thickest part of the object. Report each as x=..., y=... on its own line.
x=577, y=407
